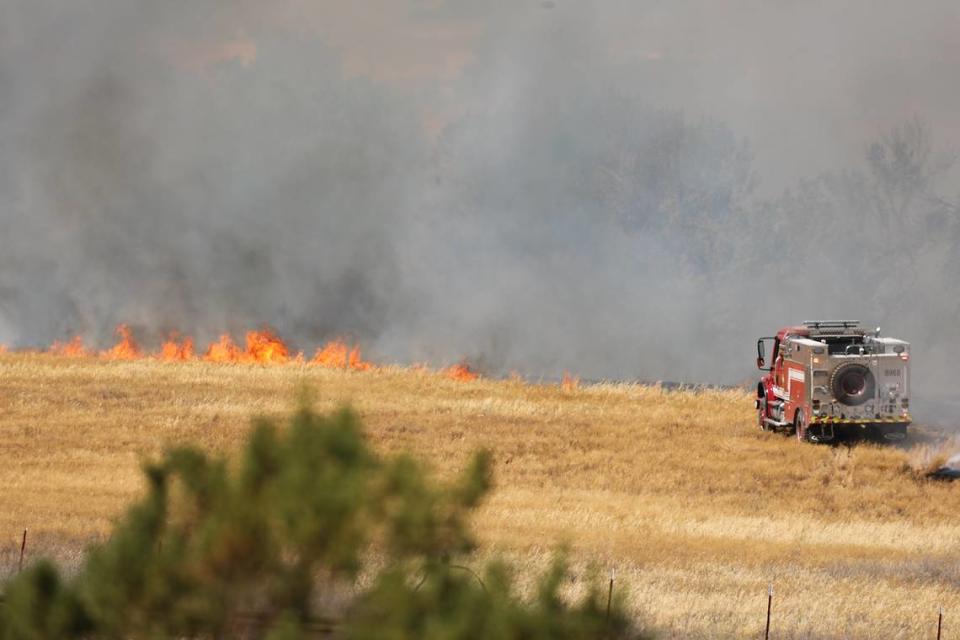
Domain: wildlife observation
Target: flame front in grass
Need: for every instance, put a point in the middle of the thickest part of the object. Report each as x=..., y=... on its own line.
x=461, y=372
x=72, y=349
x=223, y=350
x=126, y=349
x=265, y=347
x=569, y=382
x=337, y=355
x=177, y=351
x=3, y=349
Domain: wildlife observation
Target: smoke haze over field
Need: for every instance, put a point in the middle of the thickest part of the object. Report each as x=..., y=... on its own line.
x=621, y=189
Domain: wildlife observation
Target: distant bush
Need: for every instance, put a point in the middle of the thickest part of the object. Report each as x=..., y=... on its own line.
x=215, y=541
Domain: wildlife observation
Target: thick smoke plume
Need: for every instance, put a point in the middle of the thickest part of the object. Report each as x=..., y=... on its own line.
x=625, y=190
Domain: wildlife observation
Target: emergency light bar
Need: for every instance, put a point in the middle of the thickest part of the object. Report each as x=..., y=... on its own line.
x=831, y=324
x=833, y=327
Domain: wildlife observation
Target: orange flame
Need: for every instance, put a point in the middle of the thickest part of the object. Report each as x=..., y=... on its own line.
x=569, y=382
x=337, y=355
x=461, y=372
x=173, y=351
x=126, y=349
x=223, y=350
x=265, y=347
x=357, y=362
x=3, y=349
x=72, y=349
x=261, y=347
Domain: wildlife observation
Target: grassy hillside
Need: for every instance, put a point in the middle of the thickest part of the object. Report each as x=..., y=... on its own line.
x=696, y=509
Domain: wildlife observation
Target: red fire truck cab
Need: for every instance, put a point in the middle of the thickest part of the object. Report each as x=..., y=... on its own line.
x=829, y=380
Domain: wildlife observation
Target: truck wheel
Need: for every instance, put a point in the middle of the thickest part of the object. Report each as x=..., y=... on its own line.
x=761, y=415
x=799, y=427
x=762, y=411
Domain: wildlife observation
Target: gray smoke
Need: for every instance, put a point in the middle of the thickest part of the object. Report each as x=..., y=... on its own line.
x=623, y=190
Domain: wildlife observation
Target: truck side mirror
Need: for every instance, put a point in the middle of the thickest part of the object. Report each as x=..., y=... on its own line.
x=761, y=354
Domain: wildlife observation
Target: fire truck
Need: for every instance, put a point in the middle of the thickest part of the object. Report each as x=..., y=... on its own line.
x=832, y=380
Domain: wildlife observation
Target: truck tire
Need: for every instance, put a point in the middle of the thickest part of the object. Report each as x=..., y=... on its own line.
x=852, y=384
x=799, y=427
x=762, y=409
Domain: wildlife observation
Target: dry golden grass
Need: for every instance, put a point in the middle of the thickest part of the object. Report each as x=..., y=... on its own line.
x=696, y=508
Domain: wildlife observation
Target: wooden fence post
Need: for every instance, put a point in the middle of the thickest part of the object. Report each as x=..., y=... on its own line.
x=610, y=593
x=766, y=634
x=939, y=622
x=23, y=547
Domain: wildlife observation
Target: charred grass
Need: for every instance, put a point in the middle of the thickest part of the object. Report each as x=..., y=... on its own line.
x=696, y=508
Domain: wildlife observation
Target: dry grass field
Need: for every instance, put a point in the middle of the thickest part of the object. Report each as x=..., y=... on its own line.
x=696, y=508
